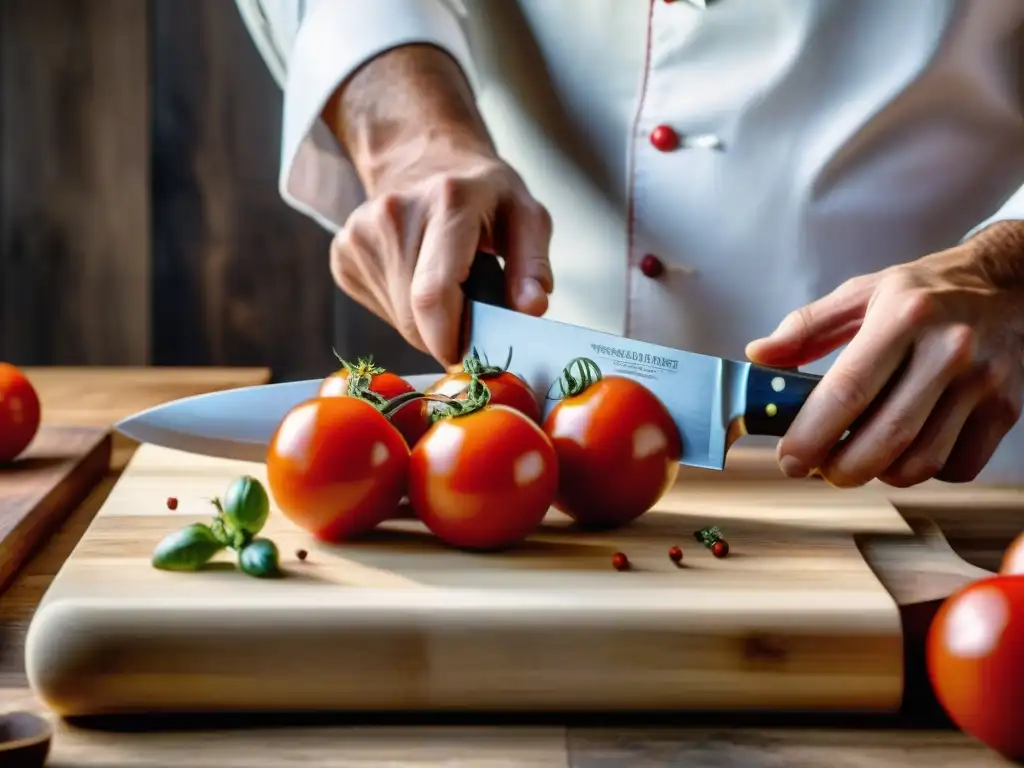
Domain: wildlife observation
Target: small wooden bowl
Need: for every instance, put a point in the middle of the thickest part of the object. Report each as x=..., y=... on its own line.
x=24, y=740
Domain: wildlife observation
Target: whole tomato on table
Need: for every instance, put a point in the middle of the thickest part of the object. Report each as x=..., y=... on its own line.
x=975, y=655
x=412, y=420
x=20, y=412
x=505, y=387
x=337, y=467
x=484, y=476
x=618, y=447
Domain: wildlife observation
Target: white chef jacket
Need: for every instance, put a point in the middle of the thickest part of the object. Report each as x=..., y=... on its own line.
x=818, y=140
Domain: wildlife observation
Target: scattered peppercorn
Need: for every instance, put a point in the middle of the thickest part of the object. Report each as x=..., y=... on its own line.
x=675, y=554
x=720, y=548
x=620, y=562
x=301, y=554
x=172, y=503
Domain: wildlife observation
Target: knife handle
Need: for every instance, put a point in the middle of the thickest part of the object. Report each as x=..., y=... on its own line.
x=486, y=281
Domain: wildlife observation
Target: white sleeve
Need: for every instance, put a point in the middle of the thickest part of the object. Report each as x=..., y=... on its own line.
x=1012, y=210
x=334, y=39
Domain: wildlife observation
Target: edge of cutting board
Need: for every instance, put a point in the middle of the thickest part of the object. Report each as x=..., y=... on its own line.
x=73, y=638
x=80, y=469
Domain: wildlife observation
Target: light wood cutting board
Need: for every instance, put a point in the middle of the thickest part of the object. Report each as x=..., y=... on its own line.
x=794, y=618
x=43, y=486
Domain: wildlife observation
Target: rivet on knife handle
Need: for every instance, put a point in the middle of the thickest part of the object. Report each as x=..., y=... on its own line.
x=774, y=398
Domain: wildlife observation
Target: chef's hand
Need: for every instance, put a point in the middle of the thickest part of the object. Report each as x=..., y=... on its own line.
x=436, y=191
x=950, y=329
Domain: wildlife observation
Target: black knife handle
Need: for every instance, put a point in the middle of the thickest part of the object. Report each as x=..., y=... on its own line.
x=486, y=281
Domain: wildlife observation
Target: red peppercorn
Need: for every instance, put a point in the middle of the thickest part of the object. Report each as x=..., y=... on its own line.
x=172, y=503
x=620, y=562
x=664, y=138
x=675, y=554
x=301, y=554
x=652, y=266
x=720, y=548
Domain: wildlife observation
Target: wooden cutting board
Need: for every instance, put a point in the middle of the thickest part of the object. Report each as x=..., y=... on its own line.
x=794, y=618
x=43, y=486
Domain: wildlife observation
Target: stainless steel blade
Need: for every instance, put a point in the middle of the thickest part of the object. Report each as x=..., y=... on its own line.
x=704, y=394
x=231, y=424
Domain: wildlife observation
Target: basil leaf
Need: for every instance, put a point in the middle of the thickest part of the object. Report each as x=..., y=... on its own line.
x=246, y=505
x=259, y=558
x=186, y=550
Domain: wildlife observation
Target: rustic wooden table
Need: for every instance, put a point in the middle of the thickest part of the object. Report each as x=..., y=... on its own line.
x=102, y=396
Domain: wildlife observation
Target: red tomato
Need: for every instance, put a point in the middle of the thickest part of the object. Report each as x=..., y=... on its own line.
x=975, y=661
x=411, y=420
x=336, y=467
x=506, y=389
x=483, y=480
x=20, y=412
x=1013, y=558
x=618, y=452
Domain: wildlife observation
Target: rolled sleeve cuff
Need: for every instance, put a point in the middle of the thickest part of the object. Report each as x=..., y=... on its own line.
x=335, y=39
x=1012, y=210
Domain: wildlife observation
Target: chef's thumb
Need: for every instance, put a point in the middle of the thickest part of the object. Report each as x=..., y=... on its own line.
x=527, y=268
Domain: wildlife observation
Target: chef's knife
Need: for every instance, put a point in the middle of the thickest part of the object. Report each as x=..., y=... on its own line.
x=713, y=401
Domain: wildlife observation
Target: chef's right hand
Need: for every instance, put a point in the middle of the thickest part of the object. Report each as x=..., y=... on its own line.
x=436, y=194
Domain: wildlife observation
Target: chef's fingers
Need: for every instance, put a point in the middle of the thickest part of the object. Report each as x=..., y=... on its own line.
x=816, y=329
x=353, y=263
x=930, y=452
x=937, y=359
x=527, y=269
x=848, y=389
x=979, y=439
x=450, y=241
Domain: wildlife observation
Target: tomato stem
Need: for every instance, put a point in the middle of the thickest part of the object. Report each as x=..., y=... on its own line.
x=477, y=397
x=587, y=373
x=364, y=366
x=476, y=365
x=708, y=536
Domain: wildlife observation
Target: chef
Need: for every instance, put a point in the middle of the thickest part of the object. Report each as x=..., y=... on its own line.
x=827, y=184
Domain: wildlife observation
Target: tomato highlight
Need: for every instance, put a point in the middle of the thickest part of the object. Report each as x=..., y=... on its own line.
x=337, y=467
x=20, y=412
x=618, y=447
x=975, y=662
x=483, y=476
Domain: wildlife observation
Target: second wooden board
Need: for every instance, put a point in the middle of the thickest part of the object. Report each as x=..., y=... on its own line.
x=792, y=618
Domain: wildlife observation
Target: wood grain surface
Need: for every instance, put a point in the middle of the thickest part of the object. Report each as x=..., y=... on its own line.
x=74, y=192
x=978, y=530
x=794, y=618
x=43, y=486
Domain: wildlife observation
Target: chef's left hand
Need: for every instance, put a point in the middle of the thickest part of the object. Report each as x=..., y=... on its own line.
x=949, y=327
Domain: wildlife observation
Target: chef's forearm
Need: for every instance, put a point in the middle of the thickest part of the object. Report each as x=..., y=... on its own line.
x=999, y=251
x=406, y=96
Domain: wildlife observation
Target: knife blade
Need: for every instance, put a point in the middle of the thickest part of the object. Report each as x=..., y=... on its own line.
x=230, y=424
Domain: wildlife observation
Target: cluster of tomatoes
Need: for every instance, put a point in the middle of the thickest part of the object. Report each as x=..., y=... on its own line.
x=479, y=466
x=975, y=656
x=20, y=412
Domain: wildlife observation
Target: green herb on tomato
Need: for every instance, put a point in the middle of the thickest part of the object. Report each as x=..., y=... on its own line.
x=484, y=475
x=240, y=516
x=505, y=387
x=617, y=444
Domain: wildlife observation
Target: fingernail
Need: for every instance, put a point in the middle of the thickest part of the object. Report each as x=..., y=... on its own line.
x=793, y=467
x=789, y=324
x=530, y=292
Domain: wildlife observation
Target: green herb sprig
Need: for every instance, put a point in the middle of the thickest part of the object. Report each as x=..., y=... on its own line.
x=241, y=515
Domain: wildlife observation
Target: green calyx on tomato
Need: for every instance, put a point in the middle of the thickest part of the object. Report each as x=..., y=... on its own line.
x=708, y=536
x=476, y=365
x=477, y=396
x=364, y=366
x=577, y=377
x=240, y=516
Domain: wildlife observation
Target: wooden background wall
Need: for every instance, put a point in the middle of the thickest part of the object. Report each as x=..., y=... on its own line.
x=139, y=216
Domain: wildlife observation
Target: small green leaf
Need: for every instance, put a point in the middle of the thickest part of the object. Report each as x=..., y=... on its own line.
x=260, y=558
x=186, y=550
x=246, y=505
